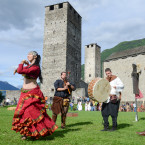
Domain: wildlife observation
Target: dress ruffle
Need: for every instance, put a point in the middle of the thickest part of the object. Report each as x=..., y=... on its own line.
x=30, y=117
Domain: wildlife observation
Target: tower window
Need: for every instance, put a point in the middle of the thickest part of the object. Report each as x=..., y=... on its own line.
x=52, y=90
x=89, y=75
x=52, y=7
x=92, y=45
x=87, y=46
x=60, y=6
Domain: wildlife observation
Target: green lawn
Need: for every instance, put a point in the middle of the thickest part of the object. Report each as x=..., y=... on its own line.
x=81, y=130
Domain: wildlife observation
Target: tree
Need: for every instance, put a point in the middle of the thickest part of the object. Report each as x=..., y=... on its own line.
x=1, y=96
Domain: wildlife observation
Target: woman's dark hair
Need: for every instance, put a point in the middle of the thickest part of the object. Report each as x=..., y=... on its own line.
x=37, y=62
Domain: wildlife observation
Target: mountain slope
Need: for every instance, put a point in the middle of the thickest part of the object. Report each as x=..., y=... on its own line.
x=122, y=46
x=7, y=86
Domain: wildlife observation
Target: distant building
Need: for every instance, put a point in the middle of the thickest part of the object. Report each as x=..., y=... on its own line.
x=92, y=62
x=62, y=46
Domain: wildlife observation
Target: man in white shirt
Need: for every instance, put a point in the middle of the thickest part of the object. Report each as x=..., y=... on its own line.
x=111, y=106
x=8, y=101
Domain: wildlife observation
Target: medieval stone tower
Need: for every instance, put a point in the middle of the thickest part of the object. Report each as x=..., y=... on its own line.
x=62, y=45
x=92, y=62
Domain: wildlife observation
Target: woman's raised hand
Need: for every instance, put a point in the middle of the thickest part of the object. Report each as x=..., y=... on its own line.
x=25, y=62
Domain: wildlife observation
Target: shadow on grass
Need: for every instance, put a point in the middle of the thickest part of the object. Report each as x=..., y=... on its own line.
x=79, y=123
x=143, y=118
x=123, y=125
x=57, y=134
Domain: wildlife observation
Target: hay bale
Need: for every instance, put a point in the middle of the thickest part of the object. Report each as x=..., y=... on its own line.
x=11, y=108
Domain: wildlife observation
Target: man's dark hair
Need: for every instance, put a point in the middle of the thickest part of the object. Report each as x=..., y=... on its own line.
x=62, y=72
x=108, y=69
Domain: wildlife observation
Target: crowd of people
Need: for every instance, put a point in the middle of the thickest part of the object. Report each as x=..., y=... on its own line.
x=126, y=107
x=90, y=105
x=7, y=101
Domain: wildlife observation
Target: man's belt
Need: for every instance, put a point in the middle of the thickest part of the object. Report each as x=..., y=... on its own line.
x=113, y=99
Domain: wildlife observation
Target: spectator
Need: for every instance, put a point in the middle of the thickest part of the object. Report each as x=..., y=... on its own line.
x=127, y=107
x=87, y=106
x=92, y=105
x=85, y=100
x=4, y=102
x=80, y=106
x=142, y=107
x=8, y=101
x=88, y=99
x=71, y=105
x=15, y=101
x=95, y=105
x=131, y=106
x=124, y=107
x=80, y=99
x=134, y=106
x=121, y=108
x=100, y=106
x=73, y=99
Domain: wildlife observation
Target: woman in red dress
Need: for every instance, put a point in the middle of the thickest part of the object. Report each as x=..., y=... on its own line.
x=30, y=117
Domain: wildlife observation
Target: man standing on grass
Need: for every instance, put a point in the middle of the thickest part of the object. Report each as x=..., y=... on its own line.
x=63, y=89
x=111, y=106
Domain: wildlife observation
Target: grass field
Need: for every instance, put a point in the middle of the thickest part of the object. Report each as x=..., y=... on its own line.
x=81, y=130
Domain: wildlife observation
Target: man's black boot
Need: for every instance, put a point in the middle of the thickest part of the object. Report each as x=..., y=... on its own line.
x=106, y=127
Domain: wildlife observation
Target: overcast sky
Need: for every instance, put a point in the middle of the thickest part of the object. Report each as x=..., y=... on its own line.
x=105, y=22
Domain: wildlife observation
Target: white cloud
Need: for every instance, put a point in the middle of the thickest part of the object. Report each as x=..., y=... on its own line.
x=111, y=33
x=26, y=38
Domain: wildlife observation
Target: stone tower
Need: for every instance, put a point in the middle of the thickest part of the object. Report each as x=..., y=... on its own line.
x=62, y=45
x=92, y=62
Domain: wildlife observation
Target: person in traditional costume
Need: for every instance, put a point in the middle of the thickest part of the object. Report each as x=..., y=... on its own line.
x=63, y=89
x=111, y=106
x=79, y=106
x=30, y=117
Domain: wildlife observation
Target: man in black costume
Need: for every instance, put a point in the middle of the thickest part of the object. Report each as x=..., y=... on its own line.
x=111, y=106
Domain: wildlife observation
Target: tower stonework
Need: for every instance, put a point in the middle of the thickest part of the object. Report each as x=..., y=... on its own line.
x=62, y=45
x=92, y=62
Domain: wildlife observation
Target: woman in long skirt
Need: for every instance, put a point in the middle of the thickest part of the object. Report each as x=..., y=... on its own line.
x=30, y=117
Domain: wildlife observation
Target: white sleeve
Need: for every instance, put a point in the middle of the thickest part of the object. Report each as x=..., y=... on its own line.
x=119, y=85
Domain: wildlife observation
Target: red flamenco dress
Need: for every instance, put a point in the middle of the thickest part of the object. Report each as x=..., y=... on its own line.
x=30, y=117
